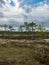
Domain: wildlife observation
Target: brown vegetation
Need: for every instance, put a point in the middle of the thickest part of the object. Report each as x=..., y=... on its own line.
x=24, y=52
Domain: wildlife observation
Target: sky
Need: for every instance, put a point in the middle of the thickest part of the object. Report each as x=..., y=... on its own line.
x=16, y=12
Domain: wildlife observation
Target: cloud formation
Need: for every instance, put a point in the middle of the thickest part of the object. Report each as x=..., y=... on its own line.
x=24, y=11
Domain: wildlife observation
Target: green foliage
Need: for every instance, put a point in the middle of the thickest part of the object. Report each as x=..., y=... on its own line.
x=32, y=26
x=26, y=26
x=29, y=27
x=10, y=28
x=41, y=30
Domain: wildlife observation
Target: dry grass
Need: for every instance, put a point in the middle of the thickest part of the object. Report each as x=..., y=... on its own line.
x=23, y=52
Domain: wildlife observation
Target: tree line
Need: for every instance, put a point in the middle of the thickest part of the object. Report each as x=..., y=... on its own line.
x=28, y=27
x=8, y=27
x=31, y=27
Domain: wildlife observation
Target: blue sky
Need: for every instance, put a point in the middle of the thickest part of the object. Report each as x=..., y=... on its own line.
x=12, y=3
x=27, y=2
x=30, y=2
x=16, y=12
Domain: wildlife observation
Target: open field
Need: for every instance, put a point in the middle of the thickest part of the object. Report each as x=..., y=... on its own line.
x=23, y=51
x=22, y=35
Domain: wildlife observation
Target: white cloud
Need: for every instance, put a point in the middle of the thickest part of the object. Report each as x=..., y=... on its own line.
x=39, y=14
x=16, y=13
x=12, y=12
